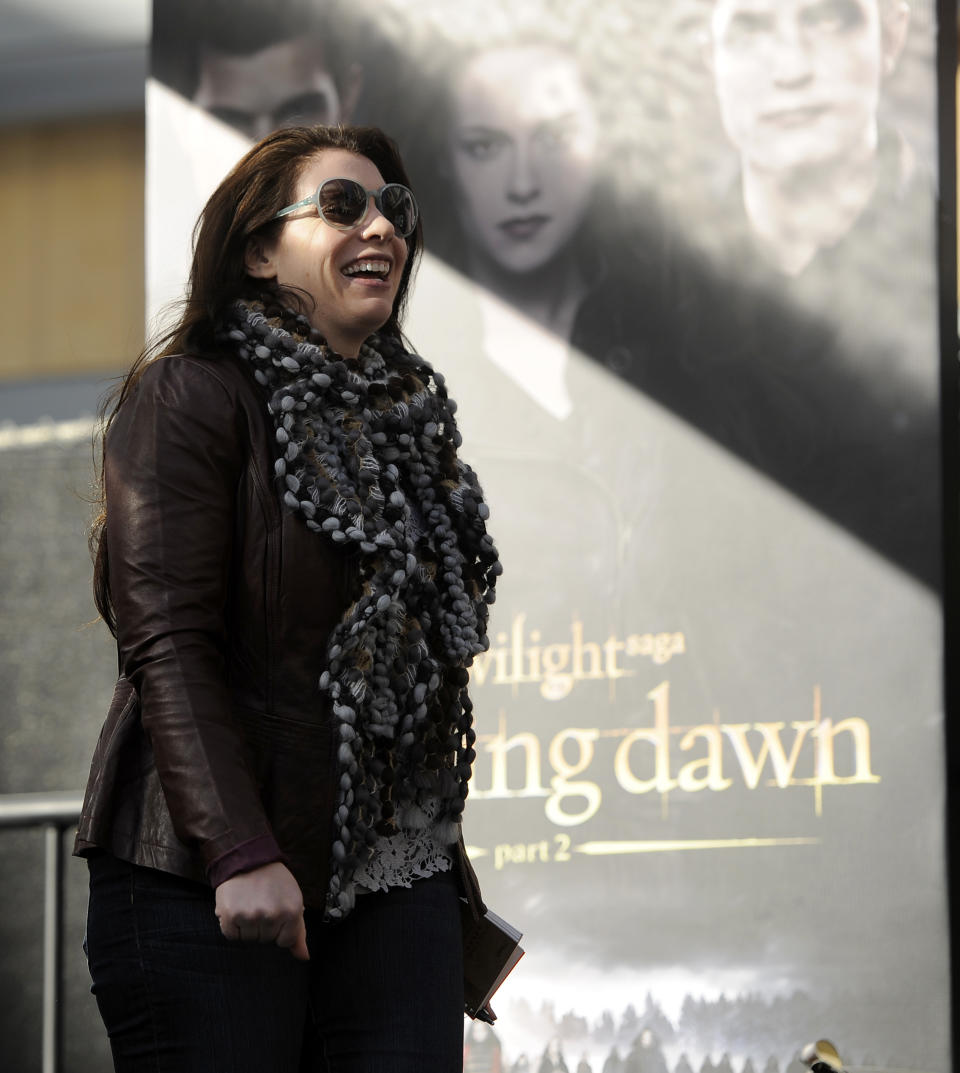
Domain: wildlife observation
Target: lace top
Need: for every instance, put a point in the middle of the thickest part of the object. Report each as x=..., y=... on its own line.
x=399, y=859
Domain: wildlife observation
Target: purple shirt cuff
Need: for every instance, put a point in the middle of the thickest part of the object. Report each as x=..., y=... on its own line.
x=245, y=858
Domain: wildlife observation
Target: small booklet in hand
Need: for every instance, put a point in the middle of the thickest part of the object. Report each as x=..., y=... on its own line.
x=491, y=948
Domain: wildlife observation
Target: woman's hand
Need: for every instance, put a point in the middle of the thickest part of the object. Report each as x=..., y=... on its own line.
x=264, y=906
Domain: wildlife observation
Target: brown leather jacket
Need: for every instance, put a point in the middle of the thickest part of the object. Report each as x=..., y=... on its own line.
x=217, y=755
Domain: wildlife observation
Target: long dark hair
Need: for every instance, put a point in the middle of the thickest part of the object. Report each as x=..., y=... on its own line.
x=243, y=206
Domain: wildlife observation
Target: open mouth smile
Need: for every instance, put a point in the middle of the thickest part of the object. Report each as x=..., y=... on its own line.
x=368, y=269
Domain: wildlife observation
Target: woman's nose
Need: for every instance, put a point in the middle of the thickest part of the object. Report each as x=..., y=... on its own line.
x=377, y=225
x=523, y=183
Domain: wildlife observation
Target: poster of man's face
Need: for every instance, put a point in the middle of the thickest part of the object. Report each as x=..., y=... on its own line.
x=276, y=86
x=680, y=276
x=257, y=68
x=799, y=81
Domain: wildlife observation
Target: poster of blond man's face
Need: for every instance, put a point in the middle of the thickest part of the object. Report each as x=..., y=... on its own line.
x=799, y=81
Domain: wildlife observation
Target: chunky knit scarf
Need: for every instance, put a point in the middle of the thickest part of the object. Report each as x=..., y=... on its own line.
x=367, y=456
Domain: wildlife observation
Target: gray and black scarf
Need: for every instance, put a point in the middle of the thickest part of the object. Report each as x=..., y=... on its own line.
x=367, y=455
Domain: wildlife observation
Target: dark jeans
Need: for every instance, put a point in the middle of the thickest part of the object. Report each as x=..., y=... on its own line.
x=382, y=992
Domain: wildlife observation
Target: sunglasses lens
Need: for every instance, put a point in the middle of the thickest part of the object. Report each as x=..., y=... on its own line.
x=399, y=208
x=342, y=202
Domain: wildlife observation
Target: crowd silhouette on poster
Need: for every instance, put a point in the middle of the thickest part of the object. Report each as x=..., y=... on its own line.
x=745, y=1034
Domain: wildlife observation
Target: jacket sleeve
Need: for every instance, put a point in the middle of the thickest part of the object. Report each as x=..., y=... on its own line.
x=174, y=456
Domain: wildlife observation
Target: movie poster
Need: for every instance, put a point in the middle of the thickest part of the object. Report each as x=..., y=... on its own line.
x=680, y=278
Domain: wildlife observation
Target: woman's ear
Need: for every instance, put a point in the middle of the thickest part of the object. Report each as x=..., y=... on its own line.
x=258, y=260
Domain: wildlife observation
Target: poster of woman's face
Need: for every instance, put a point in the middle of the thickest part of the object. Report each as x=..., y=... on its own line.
x=680, y=278
x=522, y=145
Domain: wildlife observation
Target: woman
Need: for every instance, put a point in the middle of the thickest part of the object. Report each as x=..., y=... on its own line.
x=522, y=148
x=296, y=568
x=523, y=144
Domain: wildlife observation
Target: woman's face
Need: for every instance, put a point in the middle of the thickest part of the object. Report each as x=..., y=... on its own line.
x=523, y=143
x=347, y=304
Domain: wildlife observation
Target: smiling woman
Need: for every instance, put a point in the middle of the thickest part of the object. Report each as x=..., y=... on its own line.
x=291, y=735
x=349, y=274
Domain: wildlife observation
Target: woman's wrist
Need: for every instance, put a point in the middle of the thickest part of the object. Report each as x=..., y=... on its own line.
x=246, y=857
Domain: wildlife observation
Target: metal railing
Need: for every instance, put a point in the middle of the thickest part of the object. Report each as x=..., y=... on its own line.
x=54, y=812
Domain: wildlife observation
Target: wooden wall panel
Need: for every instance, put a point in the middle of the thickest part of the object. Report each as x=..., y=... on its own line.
x=72, y=221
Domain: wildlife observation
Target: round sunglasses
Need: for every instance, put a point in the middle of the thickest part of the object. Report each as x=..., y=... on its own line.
x=344, y=203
